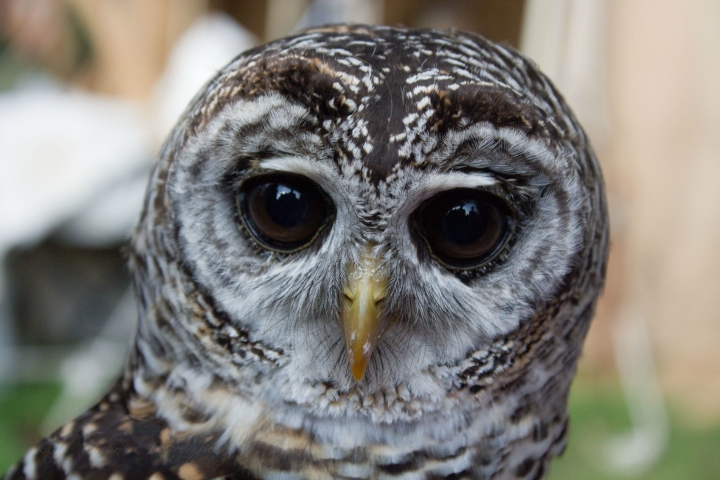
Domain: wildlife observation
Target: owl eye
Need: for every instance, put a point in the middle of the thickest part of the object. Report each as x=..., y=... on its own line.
x=283, y=212
x=465, y=228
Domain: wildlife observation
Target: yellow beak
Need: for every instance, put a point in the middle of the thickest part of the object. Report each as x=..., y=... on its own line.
x=362, y=324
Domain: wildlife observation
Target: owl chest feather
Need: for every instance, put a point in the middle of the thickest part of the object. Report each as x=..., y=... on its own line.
x=464, y=433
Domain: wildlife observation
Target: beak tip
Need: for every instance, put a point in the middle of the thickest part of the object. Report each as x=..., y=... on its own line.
x=358, y=369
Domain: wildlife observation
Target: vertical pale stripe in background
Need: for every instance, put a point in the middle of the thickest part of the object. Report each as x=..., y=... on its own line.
x=666, y=119
x=642, y=77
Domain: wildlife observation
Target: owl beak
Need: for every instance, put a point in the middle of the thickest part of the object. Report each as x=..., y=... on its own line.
x=363, y=324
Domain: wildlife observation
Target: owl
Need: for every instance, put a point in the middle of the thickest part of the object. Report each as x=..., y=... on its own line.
x=365, y=252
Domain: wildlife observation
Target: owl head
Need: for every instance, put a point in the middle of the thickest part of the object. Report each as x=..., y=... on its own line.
x=359, y=213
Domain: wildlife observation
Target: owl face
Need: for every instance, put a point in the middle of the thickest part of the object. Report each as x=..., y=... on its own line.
x=374, y=207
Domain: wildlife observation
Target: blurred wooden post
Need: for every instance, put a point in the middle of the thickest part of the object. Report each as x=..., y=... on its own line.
x=131, y=40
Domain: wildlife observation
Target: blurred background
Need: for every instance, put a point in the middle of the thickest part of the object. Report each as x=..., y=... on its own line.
x=90, y=88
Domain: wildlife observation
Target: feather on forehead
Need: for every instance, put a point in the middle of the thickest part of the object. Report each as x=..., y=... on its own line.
x=387, y=96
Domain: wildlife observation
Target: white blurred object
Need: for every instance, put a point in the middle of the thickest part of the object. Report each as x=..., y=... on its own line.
x=206, y=47
x=59, y=150
x=637, y=451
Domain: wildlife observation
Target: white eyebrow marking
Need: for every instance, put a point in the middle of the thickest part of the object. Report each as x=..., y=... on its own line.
x=290, y=164
x=446, y=181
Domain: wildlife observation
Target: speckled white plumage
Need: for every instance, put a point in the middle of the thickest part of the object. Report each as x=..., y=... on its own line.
x=240, y=355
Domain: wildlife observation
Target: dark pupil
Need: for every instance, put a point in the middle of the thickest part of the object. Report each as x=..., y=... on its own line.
x=465, y=223
x=286, y=206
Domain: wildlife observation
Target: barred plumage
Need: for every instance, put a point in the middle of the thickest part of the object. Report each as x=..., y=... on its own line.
x=243, y=360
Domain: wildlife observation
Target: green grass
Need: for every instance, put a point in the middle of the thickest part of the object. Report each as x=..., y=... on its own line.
x=22, y=408
x=596, y=411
